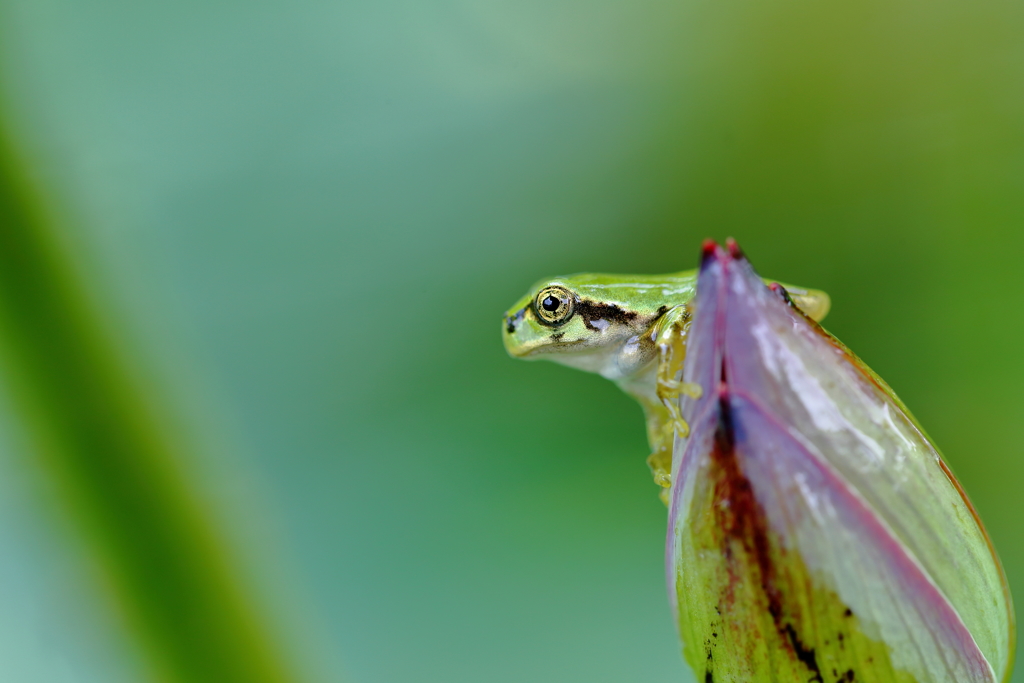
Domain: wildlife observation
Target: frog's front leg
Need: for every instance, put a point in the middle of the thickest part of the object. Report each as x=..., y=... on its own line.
x=670, y=339
x=671, y=344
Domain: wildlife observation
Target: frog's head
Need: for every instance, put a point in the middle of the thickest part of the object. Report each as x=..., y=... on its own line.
x=599, y=323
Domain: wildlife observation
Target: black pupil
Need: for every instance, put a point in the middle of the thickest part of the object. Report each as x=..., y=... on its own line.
x=550, y=303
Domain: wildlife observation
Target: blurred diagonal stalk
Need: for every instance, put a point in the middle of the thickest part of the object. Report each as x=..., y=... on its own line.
x=113, y=460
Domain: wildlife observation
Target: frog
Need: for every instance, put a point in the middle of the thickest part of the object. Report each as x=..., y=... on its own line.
x=632, y=330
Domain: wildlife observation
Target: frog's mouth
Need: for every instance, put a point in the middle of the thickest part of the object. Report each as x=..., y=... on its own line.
x=538, y=346
x=543, y=347
x=546, y=347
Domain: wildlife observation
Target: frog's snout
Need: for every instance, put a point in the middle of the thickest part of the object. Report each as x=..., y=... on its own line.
x=510, y=326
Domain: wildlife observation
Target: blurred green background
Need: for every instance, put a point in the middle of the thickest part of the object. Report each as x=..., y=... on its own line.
x=300, y=223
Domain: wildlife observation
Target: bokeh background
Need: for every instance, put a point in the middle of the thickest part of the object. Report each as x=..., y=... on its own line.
x=298, y=225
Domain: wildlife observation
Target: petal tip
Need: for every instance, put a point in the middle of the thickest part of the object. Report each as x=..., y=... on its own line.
x=734, y=249
x=708, y=249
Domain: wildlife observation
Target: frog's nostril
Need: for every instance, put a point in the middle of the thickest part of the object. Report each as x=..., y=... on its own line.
x=512, y=321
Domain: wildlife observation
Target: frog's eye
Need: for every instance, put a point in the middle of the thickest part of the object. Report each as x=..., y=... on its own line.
x=554, y=305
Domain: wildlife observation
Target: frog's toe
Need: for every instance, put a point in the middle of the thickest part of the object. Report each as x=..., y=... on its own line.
x=691, y=389
x=660, y=463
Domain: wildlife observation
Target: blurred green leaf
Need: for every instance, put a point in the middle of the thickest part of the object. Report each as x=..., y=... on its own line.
x=114, y=459
x=323, y=208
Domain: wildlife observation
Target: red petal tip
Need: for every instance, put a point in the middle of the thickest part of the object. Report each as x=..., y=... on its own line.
x=734, y=249
x=709, y=251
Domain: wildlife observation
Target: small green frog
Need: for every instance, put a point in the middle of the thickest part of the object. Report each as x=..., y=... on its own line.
x=630, y=329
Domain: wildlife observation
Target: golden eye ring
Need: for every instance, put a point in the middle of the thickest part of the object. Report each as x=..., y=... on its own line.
x=554, y=305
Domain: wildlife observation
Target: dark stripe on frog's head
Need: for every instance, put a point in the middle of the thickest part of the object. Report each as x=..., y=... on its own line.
x=591, y=310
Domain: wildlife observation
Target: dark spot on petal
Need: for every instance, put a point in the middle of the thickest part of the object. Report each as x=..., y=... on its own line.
x=805, y=655
x=743, y=520
x=781, y=291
